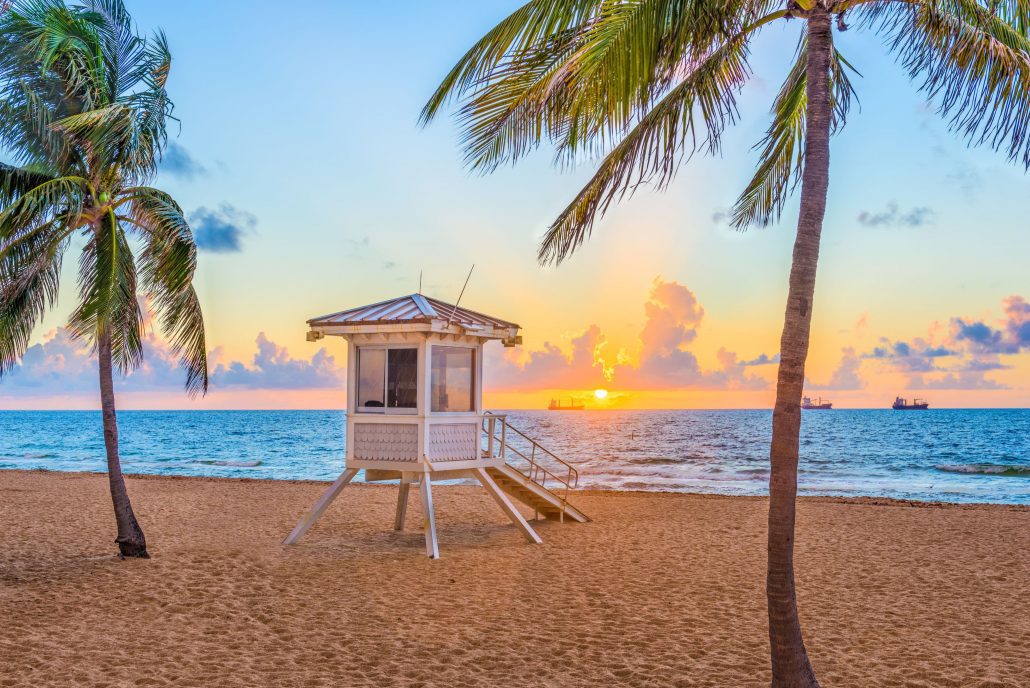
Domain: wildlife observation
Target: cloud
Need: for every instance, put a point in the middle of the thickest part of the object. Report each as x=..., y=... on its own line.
x=273, y=368
x=961, y=355
x=722, y=216
x=60, y=365
x=178, y=162
x=969, y=380
x=762, y=359
x=846, y=376
x=222, y=230
x=1011, y=337
x=673, y=317
x=894, y=217
x=967, y=178
x=550, y=367
x=911, y=357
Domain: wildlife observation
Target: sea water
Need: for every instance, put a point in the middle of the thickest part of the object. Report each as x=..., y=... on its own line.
x=940, y=455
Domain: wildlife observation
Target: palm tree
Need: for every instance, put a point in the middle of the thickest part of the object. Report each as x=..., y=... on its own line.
x=647, y=83
x=83, y=109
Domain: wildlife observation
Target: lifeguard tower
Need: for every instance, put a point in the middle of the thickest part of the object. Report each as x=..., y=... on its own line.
x=415, y=413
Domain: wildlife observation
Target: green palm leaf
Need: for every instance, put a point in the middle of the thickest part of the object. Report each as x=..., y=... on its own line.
x=783, y=148
x=651, y=151
x=973, y=62
x=167, y=265
x=107, y=293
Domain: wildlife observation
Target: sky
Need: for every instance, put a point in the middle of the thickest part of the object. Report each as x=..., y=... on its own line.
x=311, y=188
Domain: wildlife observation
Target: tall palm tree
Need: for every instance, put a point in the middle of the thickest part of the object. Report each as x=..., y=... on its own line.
x=83, y=108
x=647, y=83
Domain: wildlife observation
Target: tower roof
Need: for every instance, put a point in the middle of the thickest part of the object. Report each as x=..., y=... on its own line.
x=413, y=312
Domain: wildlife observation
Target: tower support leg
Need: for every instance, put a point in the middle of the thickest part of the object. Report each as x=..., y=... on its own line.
x=402, y=502
x=428, y=517
x=323, y=502
x=506, y=506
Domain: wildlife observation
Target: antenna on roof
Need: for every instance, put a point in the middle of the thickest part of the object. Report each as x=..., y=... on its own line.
x=455, y=309
x=420, y=283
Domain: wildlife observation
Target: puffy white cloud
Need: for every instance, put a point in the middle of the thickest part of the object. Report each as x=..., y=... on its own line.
x=847, y=374
x=549, y=367
x=274, y=368
x=674, y=318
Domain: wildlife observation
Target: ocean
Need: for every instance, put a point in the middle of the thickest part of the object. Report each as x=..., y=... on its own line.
x=936, y=455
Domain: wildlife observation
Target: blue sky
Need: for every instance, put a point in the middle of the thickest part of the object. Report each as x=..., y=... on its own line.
x=299, y=132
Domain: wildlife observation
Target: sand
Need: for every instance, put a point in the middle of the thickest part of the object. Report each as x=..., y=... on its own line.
x=659, y=590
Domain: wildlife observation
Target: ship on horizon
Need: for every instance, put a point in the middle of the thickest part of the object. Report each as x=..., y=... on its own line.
x=916, y=405
x=556, y=405
x=817, y=405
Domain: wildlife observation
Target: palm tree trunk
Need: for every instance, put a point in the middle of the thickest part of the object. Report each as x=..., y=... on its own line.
x=790, y=664
x=131, y=542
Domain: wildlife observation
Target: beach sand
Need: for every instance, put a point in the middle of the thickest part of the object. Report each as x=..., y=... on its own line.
x=659, y=590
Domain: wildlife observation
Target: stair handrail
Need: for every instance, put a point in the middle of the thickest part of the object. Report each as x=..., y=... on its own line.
x=571, y=480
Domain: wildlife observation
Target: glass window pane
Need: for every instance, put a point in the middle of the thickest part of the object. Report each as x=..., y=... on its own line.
x=371, y=377
x=402, y=378
x=452, y=379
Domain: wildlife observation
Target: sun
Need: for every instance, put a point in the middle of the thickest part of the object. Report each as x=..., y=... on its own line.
x=600, y=394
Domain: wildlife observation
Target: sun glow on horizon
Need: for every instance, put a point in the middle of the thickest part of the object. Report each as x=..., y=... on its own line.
x=600, y=394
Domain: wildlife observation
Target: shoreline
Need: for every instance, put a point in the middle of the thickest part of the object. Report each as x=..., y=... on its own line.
x=830, y=499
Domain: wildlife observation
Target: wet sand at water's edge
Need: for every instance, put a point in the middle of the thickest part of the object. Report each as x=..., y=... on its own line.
x=659, y=590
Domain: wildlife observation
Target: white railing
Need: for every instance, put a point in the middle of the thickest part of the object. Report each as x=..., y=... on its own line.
x=557, y=475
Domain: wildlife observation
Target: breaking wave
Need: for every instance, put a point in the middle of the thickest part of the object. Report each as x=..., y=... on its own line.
x=234, y=464
x=987, y=469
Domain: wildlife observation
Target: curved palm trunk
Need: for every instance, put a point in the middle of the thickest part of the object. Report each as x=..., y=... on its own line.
x=131, y=542
x=790, y=664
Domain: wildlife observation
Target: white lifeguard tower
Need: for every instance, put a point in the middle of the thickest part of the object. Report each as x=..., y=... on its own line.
x=415, y=413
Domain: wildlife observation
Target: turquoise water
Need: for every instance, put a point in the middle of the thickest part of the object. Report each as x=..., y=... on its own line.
x=946, y=455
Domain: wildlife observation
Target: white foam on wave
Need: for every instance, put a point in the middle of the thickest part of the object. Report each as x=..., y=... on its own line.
x=233, y=464
x=986, y=469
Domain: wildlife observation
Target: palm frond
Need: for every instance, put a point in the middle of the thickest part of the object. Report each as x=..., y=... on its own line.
x=107, y=293
x=18, y=181
x=783, y=148
x=527, y=26
x=588, y=81
x=653, y=149
x=973, y=62
x=64, y=41
x=64, y=195
x=167, y=265
x=513, y=113
x=30, y=272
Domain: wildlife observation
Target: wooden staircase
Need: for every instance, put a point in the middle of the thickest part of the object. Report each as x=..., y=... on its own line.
x=544, y=502
x=541, y=468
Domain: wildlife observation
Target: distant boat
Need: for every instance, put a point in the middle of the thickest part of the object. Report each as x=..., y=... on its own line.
x=916, y=405
x=817, y=405
x=556, y=405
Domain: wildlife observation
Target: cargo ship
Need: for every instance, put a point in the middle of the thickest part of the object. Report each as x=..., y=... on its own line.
x=817, y=405
x=556, y=405
x=916, y=405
